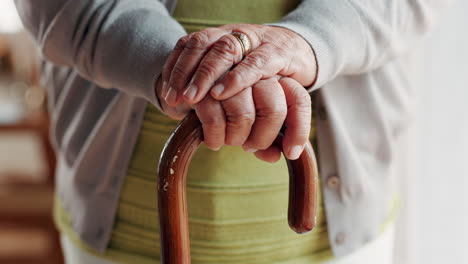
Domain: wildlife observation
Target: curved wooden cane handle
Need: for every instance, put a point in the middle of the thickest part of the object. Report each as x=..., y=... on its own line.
x=172, y=172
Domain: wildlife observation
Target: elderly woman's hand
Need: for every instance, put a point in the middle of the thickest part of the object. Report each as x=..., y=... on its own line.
x=254, y=117
x=200, y=60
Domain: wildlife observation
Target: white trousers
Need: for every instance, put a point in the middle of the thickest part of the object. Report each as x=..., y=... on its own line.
x=378, y=251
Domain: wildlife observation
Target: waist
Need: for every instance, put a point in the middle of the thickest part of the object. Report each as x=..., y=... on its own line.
x=195, y=15
x=156, y=129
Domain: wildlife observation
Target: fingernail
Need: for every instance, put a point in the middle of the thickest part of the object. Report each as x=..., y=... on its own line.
x=251, y=150
x=218, y=89
x=191, y=91
x=171, y=96
x=295, y=152
x=164, y=87
x=214, y=148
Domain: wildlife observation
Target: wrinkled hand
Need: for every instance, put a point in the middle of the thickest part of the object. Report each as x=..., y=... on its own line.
x=254, y=117
x=200, y=60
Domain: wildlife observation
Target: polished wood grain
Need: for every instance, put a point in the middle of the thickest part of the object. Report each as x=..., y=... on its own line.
x=172, y=172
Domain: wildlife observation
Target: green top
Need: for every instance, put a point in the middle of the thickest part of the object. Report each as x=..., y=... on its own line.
x=237, y=204
x=237, y=208
x=195, y=15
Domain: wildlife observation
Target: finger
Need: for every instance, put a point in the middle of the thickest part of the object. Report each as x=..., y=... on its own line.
x=178, y=112
x=240, y=115
x=271, y=154
x=271, y=110
x=225, y=53
x=298, y=119
x=262, y=63
x=211, y=115
x=196, y=46
x=170, y=62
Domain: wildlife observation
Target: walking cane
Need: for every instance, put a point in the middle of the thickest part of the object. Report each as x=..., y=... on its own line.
x=173, y=165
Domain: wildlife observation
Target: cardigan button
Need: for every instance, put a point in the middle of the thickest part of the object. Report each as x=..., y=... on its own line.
x=100, y=233
x=333, y=182
x=322, y=113
x=133, y=117
x=340, y=238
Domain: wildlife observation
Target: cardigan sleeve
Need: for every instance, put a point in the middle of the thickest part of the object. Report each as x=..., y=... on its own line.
x=119, y=44
x=356, y=36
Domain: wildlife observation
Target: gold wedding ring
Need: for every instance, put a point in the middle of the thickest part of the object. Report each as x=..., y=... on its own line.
x=244, y=41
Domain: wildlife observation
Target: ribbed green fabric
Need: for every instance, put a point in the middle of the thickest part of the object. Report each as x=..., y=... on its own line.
x=195, y=15
x=237, y=204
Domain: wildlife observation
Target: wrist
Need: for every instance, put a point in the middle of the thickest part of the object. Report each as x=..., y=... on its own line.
x=306, y=59
x=303, y=61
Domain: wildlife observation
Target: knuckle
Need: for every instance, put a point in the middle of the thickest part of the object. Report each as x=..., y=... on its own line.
x=237, y=75
x=198, y=41
x=213, y=131
x=226, y=46
x=182, y=42
x=256, y=61
x=231, y=140
x=166, y=71
x=178, y=71
x=241, y=120
x=206, y=71
x=214, y=121
x=276, y=112
x=302, y=98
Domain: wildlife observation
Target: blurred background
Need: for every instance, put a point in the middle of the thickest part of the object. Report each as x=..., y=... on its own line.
x=27, y=232
x=432, y=226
